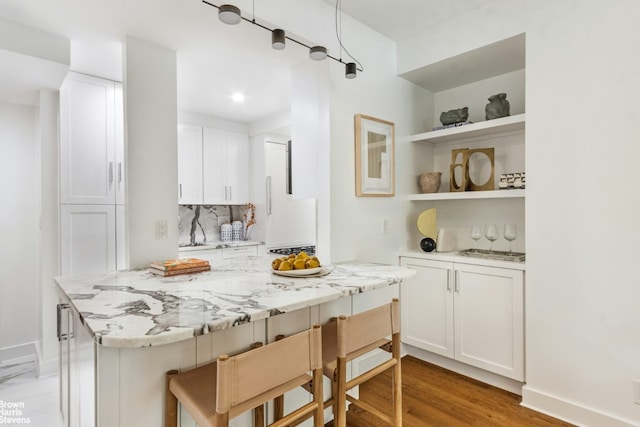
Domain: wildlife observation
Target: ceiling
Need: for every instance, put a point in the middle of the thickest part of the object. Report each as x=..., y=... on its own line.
x=215, y=60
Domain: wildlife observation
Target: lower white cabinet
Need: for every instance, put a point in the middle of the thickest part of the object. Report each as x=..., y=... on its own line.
x=471, y=313
x=77, y=370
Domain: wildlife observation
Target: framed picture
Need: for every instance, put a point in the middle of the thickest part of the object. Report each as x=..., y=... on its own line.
x=375, y=157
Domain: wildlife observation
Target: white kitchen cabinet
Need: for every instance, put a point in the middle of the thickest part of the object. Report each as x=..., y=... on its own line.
x=189, y=164
x=471, y=313
x=77, y=370
x=213, y=166
x=92, y=175
x=91, y=141
x=87, y=239
x=225, y=167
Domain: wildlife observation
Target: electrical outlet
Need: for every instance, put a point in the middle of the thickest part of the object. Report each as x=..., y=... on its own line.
x=385, y=226
x=636, y=392
x=162, y=230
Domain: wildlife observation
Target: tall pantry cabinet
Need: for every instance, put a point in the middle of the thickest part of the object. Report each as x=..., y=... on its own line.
x=92, y=175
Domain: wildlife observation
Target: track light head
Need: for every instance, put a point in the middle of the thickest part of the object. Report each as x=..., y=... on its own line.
x=318, y=53
x=278, y=39
x=229, y=14
x=350, y=70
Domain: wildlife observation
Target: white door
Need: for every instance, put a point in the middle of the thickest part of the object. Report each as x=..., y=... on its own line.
x=87, y=239
x=236, y=167
x=289, y=221
x=215, y=188
x=427, y=306
x=87, y=140
x=189, y=164
x=489, y=319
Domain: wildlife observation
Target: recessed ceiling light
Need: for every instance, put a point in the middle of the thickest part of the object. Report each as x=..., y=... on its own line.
x=237, y=97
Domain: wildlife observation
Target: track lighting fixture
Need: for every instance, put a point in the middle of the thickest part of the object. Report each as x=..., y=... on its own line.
x=278, y=39
x=350, y=70
x=318, y=53
x=230, y=14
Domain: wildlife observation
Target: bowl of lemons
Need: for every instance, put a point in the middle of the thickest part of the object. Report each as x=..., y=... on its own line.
x=300, y=264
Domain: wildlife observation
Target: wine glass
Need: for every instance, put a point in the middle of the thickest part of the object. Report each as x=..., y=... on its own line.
x=476, y=234
x=491, y=233
x=510, y=233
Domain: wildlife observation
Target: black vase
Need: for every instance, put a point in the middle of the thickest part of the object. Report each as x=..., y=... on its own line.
x=427, y=244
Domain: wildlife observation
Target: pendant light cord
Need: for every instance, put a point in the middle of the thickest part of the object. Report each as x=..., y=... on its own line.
x=338, y=18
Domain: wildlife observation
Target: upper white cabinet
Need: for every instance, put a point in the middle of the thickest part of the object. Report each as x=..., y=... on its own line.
x=189, y=164
x=225, y=167
x=91, y=141
x=471, y=313
x=213, y=166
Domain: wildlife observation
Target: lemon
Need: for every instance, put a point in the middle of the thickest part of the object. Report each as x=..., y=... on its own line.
x=285, y=265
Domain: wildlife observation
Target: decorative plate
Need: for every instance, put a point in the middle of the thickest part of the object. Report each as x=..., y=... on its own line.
x=307, y=272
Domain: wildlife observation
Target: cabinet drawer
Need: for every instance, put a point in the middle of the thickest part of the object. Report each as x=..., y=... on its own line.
x=239, y=251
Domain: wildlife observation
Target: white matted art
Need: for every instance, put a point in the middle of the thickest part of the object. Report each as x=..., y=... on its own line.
x=375, y=157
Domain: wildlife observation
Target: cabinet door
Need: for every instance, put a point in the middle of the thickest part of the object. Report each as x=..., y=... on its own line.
x=87, y=239
x=83, y=368
x=87, y=132
x=121, y=243
x=189, y=164
x=237, y=167
x=65, y=328
x=489, y=319
x=213, y=160
x=120, y=164
x=426, y=302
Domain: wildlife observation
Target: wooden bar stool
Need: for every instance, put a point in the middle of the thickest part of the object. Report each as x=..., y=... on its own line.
x=347, y=338
x=219, y=391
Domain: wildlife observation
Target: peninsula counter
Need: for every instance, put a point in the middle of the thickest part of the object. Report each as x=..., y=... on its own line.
x=120, y=332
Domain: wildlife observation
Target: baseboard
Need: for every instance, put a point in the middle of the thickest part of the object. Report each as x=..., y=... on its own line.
x=18, y=354
x=570, y=412
x=486, y=377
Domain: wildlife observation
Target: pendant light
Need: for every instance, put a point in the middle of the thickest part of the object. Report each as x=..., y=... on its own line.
x=229, y=14
x=278, y=39
x=350, y=70
x=318, y=53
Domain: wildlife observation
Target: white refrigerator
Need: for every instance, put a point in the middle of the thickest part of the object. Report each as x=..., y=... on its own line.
x=289, y=221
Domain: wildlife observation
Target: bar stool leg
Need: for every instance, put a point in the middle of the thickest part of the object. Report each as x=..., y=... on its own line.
x=170, y=403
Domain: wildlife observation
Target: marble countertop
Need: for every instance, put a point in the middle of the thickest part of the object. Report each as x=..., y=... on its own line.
x=139, y=309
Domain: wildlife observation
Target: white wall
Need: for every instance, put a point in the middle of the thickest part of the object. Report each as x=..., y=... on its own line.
x=582, y=298
x=151, y=147
x=19, y=280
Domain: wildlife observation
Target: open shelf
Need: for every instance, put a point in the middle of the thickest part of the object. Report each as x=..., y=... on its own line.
x=493, y=127
x=468, y=195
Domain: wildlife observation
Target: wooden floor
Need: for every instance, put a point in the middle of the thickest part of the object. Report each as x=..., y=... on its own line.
x=433, y=396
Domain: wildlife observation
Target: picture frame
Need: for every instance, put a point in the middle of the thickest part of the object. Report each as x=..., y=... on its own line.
x=375, y=157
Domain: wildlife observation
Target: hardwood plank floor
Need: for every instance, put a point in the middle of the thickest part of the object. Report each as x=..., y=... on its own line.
x=433, y=396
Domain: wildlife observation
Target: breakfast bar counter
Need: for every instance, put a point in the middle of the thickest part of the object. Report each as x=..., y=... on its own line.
x=138, y=308
x=121, y=332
